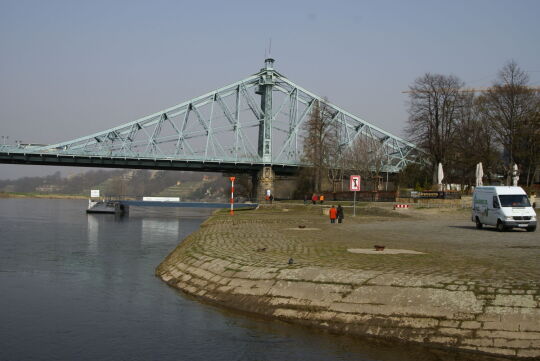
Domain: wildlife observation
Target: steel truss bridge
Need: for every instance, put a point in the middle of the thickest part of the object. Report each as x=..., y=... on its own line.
x=256, y=122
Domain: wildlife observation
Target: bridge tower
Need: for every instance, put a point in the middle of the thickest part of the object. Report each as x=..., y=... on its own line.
x=266, y=83
x=264, y=179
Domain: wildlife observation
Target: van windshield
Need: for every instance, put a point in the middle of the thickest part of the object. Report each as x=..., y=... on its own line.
x=514, y=200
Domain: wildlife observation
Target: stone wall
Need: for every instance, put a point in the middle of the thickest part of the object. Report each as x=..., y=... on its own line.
x=366, y=303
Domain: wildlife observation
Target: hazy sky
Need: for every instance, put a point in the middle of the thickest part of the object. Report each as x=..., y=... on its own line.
x=71, y=68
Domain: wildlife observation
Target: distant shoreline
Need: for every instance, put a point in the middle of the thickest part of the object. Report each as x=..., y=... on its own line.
x=49, y=196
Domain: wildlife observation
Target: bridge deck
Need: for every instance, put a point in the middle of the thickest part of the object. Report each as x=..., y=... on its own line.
x=139, y=163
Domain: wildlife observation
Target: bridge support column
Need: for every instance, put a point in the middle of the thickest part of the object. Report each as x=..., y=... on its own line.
x=263, y=181
x=266, y=84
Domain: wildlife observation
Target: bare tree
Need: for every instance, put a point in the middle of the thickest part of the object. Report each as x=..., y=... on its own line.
x=528, y=145
x=434, y=105
x=335, y=175
x=320, y=141
x=473, y=143
x=338, y=162
x=367, y=157
x=511, y=108
x=461, y=164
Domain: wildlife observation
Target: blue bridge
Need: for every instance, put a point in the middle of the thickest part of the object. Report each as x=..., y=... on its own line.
x=257, y=124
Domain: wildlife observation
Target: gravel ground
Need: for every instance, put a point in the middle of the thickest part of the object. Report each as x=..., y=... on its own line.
x=453, y=247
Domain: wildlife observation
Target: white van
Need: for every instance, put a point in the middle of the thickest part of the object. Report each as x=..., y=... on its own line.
x=503, y=207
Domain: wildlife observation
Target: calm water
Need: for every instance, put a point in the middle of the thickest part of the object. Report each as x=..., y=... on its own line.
x=81, y=287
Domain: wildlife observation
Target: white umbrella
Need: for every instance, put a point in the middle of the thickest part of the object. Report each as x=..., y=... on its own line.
x=440, y=176
x=515, y=175
x=479, y=174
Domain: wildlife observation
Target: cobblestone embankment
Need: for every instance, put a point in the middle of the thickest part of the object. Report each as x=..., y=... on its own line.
x=474, y=290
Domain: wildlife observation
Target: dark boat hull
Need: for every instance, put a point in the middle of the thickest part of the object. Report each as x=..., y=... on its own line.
x=100, y=211
x=107, y=208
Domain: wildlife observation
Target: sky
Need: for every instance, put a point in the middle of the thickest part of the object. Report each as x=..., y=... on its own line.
x=71, y=68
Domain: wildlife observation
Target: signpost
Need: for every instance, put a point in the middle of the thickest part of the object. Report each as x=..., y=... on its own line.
x=354, y=186
x=232, y=194
x=94, y=193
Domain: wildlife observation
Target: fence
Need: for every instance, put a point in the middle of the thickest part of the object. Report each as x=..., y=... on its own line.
x=362, y=196
x=464, y=202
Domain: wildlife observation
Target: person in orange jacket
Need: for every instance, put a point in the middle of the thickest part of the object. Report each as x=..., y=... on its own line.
x=321, y=198
x=333, y=214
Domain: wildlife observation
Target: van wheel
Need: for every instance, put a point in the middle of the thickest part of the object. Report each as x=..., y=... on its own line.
x=500, y=226
x=531, y=229
x=478, y=224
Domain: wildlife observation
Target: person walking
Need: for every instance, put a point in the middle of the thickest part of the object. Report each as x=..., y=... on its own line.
x=333, y=214
x=321, y=198
x=314, y=198
x=340, y=214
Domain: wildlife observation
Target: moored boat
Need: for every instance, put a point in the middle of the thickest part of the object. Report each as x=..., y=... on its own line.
x=110, y=207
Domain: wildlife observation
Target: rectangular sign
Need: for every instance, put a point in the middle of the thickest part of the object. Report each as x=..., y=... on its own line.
x=355, y=183
x=94, y=193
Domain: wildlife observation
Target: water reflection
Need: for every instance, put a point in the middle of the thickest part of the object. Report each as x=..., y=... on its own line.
x=152, y=227
x=93, y=233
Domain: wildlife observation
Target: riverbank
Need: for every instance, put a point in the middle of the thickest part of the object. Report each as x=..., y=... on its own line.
x=467, y=289
x=41, y=195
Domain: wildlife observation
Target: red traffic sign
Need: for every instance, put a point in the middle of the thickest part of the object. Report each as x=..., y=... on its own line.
x=354, y=183
x=232, y=179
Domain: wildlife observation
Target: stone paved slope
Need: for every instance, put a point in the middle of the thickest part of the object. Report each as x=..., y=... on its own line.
x=475, y=290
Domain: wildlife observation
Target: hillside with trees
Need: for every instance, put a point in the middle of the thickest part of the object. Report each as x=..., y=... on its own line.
x=131, y=183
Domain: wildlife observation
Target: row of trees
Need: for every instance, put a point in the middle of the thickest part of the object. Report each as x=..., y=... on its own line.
x=498, y=126
x=458, y=127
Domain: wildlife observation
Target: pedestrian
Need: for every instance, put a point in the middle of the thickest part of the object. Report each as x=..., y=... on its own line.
x=321, y=198
x=340, y=214
x=271, y=198
x=314, y=198
x=333, y=214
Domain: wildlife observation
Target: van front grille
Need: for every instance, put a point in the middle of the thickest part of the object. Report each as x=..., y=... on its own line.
x=522, y=218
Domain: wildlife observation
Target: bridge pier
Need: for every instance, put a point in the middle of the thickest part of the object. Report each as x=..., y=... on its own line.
x=263, y=181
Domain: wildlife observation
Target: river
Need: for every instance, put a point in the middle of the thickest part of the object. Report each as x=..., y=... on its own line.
x=82, y=287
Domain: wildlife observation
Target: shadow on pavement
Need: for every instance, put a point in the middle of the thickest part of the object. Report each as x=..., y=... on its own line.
x=488, y=228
